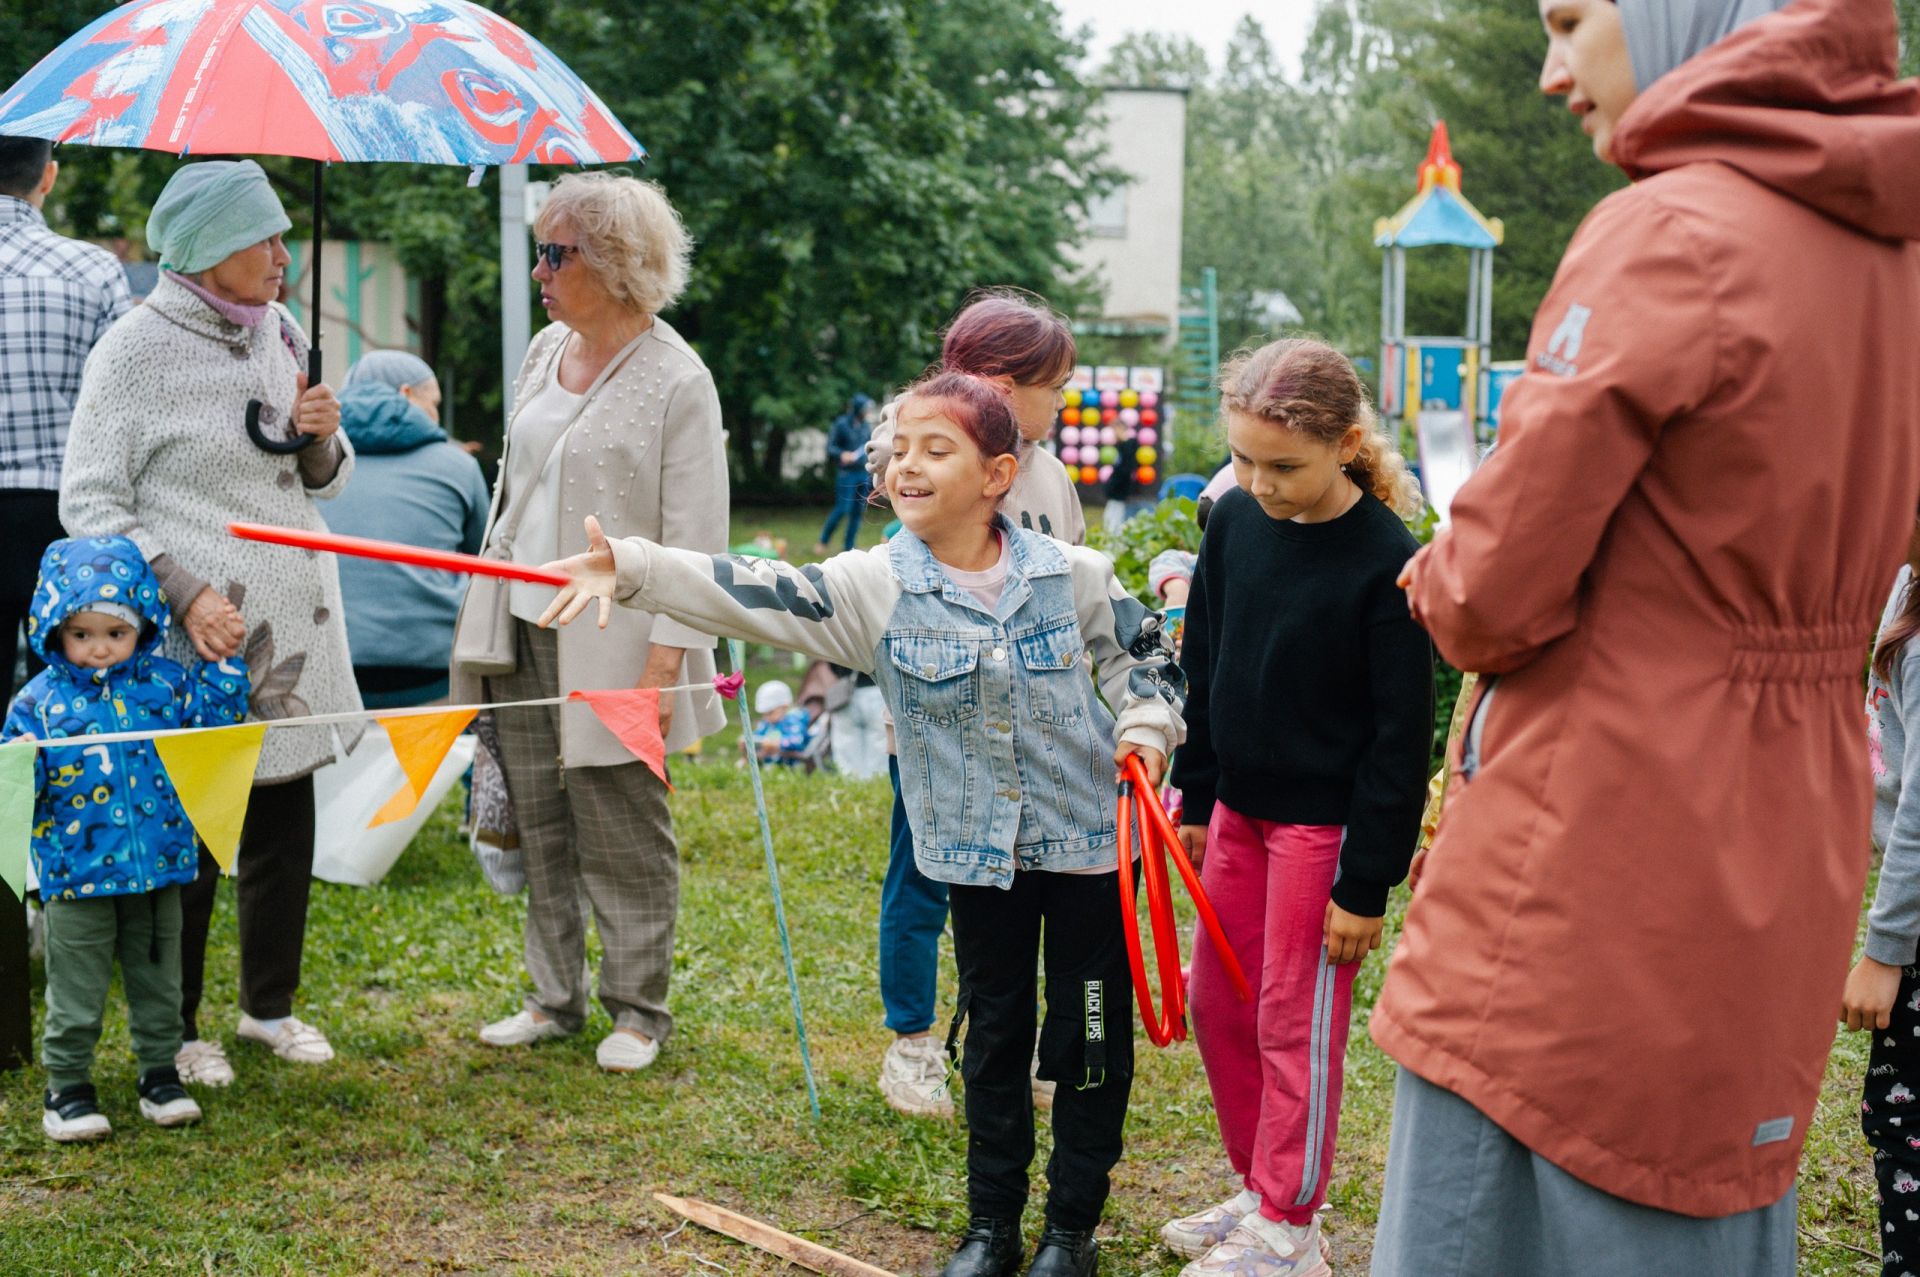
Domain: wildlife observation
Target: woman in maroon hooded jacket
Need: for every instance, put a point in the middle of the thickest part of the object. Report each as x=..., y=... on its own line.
x=1615, y=994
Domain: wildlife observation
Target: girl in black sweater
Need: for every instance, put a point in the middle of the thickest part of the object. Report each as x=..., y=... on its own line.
x=1309, y=719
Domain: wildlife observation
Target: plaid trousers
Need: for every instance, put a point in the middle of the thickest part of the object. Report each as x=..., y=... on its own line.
x=598, y=838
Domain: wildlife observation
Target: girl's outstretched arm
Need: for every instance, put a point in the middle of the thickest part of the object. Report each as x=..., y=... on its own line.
x=834, y=610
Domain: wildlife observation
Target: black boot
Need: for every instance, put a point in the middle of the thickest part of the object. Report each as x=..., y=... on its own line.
x=1065, y=1252
x=989, y=1248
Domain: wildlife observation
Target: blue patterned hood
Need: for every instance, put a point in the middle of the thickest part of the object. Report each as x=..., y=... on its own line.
x=75, y=574
x=106, y=821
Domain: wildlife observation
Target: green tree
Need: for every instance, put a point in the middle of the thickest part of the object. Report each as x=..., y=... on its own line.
x=849, y=170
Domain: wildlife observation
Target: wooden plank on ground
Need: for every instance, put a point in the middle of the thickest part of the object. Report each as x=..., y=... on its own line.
x=809, y=1255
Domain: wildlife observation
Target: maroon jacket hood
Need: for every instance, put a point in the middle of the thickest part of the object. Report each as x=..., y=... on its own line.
x=1805, y=101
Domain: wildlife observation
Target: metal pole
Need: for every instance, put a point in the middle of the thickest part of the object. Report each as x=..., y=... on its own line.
x=314, y=364
x=516, y=325
x=738, y=652
x=1473, y=295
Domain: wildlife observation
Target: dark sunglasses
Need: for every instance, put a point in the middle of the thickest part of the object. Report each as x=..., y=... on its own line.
x=554, y=253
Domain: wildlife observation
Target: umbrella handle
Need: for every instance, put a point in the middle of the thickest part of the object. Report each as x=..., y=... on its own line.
x=281, y=447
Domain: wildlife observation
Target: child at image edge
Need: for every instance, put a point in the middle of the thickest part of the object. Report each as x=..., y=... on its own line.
x=1304, y=775
x=1883, y=991
x=977, y=632
x=111, y=845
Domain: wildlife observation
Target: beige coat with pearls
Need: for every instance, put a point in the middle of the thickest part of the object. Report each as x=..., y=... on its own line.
x=647, y=455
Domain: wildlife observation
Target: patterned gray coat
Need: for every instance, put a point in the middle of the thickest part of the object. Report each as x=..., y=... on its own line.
x=158, y=452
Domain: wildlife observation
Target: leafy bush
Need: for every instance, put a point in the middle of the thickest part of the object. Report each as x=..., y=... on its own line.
x=1171, y=525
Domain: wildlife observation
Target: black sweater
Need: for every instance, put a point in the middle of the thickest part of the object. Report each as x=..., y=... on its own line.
x=1310, y=687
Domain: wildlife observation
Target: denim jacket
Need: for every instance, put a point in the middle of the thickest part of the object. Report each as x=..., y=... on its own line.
x=1006, y=748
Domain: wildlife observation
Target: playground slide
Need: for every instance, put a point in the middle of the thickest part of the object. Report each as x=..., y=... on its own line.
x=1448, y=454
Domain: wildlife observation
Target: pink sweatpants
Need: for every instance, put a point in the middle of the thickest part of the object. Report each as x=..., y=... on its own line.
x=1274, y=1064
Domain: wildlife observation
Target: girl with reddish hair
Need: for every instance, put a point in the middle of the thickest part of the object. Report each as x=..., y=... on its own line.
x=978, y=633
x=1023, y=348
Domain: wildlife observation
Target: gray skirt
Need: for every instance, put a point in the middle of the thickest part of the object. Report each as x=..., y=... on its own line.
x=1465, y=1199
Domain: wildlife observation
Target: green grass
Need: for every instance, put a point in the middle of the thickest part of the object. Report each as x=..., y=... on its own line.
x=420, y=1150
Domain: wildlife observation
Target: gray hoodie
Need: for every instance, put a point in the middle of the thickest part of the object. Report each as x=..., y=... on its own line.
x=1893, y=925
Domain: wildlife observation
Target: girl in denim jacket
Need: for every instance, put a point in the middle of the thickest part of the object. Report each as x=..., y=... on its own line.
x=976, y=632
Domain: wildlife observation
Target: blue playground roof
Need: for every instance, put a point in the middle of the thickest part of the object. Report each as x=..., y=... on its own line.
x=1438, y=215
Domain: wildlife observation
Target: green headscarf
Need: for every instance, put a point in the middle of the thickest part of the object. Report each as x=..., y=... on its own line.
x=212, y=210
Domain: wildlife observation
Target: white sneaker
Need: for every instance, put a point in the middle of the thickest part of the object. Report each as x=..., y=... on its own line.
x=1261, y=1247
x=1195, y=1235
x=1042, y=1089
x=521, y=1029
x=913, y=1078
x=294, y=1041
x=71, y=1116
x=164, y=1102
x=203, y=1062
x=622, y=1052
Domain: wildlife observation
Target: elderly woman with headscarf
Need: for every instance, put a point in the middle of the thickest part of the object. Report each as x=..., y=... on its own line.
x=614, y=415
x=160, y=453
x=1615, y=995
x=412, y=485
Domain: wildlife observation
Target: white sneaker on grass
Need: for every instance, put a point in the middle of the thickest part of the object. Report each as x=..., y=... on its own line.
x=1194, y=1235
x=1262, y=1247
x=522, y=1028
x=203, y=1062
x=163, y=1101
x=624, y=1052
x=292, y=1040
x=913, y=1078
x=72, y=1115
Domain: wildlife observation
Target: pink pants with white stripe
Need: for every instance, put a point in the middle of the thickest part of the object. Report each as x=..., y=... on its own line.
x=1274, y=1064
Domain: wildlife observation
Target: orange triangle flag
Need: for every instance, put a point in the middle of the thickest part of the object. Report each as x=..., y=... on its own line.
x=420, y=742
x=633, y=715
x=212, y=774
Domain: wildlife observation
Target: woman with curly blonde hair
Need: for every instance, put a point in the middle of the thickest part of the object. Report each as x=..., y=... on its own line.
x=614, y=415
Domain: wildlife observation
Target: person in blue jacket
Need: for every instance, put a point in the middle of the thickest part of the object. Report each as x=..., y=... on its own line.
x=410, y=484
x=111, y=844
x=847, y=458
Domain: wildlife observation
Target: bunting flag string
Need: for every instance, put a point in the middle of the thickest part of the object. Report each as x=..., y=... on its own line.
x=212, y=774
x=721, y=686
x=212, y=768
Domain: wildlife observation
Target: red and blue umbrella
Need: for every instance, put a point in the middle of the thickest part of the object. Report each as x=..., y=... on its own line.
x=419, y=81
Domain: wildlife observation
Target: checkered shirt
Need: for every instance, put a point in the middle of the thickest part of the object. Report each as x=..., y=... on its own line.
x=57, y=296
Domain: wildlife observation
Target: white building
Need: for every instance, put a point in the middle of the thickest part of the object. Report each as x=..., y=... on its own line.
x=1133, y=235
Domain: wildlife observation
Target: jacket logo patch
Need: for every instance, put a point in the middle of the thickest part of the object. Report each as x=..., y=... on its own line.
x=1563, y=348
x=1772, y=1132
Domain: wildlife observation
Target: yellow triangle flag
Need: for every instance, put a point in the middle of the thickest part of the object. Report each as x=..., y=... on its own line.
x=212, y=772
x=420, y=742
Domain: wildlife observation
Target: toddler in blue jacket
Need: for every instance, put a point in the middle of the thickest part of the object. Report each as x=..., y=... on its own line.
x=111, y=844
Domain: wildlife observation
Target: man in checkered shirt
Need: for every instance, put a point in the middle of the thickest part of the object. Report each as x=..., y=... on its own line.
x=57, y=296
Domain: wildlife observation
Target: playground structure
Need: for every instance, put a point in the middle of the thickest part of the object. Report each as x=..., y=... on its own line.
x=1444, y=390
